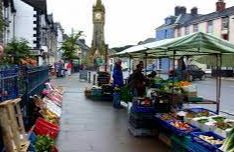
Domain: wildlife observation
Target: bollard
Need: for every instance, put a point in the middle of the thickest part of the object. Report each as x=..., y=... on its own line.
x=94, y=79
x=89, y=80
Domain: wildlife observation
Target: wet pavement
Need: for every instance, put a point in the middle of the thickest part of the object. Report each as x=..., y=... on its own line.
x=92, y=126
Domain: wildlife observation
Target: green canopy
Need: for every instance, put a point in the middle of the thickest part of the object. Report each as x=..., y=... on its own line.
x=195, y=44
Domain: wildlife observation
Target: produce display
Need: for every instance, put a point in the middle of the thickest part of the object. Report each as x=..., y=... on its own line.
x=202, y=113
x=203, y=121
x=223, y=125
x=181, y=125
x=228, y=145
x=218, y=118
x=166, y=117
x=210, y=139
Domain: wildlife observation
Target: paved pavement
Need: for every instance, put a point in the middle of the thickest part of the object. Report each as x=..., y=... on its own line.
x=91, y=126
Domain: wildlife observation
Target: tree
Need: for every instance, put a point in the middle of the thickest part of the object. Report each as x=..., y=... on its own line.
x=70, y=47
x=17, y=50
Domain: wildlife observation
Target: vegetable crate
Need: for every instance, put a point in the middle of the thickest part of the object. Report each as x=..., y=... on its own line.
x=214, y=147
x=43, y=127
x=12, y=126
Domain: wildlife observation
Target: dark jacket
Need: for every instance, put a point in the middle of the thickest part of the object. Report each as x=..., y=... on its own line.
x=118, y=76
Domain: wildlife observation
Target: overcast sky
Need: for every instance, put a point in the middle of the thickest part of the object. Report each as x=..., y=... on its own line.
x=127, y=21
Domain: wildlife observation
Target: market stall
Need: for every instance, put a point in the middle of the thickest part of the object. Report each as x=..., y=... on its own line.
x=193, y=129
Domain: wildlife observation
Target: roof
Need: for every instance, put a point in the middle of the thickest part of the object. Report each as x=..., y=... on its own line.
x=227, y=12
x=181, y=19
x=38, y=4
x=147, y=41
x=82, y=45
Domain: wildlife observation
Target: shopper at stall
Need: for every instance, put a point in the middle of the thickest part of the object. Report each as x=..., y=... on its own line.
x=118, y=75
x=137, y=81
x=180, y=71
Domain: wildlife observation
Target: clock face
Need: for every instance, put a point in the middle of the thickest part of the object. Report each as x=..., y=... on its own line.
x=98, y=16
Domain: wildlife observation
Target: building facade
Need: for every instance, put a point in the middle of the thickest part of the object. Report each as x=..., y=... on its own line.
x=167, y=31
x=219, y=23
x=8, y=16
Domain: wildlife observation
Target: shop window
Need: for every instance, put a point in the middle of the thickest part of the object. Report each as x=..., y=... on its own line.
x=225, y=23
x=210, y=27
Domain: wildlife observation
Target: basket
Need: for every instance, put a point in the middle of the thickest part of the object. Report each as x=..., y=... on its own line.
x=43, y=127
x=197, y=139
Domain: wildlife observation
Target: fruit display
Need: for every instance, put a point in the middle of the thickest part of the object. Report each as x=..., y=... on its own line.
x=181, y=125
x=211, y=139
x=166, y=117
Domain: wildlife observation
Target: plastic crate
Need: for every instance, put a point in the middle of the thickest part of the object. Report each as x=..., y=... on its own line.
x=142, y=109
x=197, y=139
x=138, y=123
x=142, y=116
x=43, y=127
x=162, y=107
x=140, y=132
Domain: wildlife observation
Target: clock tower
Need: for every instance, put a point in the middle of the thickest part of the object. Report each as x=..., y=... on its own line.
x=98, y=42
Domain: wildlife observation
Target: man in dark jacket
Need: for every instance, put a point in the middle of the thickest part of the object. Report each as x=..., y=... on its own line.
x=137, y=81
x=117, y=75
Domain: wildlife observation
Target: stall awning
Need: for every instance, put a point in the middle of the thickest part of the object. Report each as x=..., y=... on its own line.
x=194, y=44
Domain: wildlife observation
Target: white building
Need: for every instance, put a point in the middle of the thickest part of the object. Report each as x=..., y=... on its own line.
x=60, y=39
x=8, y=14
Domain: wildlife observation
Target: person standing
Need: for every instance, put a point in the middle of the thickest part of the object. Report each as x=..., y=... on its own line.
x=118, y=75
x=137, y=81
x=69, y=68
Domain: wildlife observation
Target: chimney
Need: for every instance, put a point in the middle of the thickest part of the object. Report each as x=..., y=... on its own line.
x=194, y=11
x=177, y=10
x=220, y=5
x=183, y=10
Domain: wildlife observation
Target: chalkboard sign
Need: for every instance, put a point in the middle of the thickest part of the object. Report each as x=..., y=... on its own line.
x=84, y=75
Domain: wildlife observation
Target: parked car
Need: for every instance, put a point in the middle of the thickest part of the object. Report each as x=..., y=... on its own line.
x=195, y=72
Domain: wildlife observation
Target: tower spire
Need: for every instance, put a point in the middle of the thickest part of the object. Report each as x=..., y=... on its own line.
x=98, y=2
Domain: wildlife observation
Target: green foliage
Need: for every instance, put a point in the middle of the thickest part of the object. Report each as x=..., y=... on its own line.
x=44, y=144
x=17, y=50
x=70, y=47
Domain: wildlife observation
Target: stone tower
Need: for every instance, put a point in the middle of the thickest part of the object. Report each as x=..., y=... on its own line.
x=98, y=42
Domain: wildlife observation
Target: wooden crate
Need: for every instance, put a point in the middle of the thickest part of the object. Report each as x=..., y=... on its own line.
x=12, y=126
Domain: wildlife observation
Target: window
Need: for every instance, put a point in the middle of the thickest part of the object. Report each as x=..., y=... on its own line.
x=195, y=28
x=210, y=27
x=225, y=23
x=186, y=30
x=178, y=32
x=165, y=34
